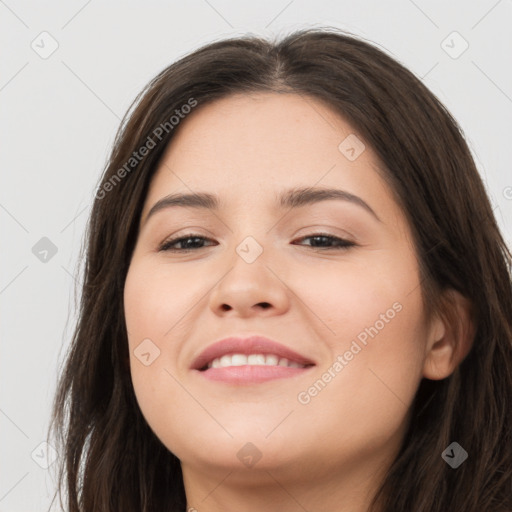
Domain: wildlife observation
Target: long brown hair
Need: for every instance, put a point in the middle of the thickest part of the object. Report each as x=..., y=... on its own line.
x=110, y=458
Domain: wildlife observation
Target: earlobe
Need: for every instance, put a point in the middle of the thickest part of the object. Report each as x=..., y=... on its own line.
x=451, y=336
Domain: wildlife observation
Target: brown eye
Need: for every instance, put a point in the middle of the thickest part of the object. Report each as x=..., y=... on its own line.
x=319, y=241
x=197, y=240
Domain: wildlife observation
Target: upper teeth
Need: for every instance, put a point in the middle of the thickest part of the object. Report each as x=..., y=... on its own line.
x=252, y=359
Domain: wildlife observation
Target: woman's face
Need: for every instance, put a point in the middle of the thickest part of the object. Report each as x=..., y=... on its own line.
x=352, y=312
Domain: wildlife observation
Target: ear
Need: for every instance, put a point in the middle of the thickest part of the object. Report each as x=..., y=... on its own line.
x=450, y=337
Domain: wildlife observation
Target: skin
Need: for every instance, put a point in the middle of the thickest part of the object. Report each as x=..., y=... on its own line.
x=331, y=453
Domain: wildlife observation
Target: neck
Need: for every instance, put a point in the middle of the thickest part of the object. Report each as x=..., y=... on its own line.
x=292, y=488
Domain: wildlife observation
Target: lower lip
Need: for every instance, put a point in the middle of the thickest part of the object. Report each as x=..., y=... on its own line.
x=247, y=374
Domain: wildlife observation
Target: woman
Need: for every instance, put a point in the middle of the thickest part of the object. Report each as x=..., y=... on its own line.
x=337, y=336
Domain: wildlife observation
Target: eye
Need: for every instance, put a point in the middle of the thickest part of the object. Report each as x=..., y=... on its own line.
x=192, y=242
x=323, y=238
x=168, y=245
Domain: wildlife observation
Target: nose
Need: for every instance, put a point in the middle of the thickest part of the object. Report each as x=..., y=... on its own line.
x=249, y=289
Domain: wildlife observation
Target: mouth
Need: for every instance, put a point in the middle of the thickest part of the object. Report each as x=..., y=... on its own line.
x=249, y=360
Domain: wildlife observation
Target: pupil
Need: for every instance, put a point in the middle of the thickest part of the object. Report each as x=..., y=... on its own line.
x=192, y=240
x=324, y=238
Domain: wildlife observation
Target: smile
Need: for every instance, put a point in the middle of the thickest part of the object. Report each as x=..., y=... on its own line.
x=249, y=360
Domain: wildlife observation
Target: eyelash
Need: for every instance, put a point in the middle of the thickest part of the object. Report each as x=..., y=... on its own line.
x=344, y=244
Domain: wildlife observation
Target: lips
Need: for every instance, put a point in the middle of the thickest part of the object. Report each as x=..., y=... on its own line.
x=247, y=346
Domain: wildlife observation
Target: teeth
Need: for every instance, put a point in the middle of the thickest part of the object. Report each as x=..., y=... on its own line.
x=238, y=360
x=254, y=360
x=271, y=359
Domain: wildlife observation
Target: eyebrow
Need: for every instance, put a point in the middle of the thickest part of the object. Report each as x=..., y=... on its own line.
x=292, y=198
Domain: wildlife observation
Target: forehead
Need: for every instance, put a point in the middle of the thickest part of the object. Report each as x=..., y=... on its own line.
x=247, y=147
x=257, y=131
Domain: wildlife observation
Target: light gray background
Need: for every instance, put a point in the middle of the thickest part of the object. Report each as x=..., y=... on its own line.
x=59, y=116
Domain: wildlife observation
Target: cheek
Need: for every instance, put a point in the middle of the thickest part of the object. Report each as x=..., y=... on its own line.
x=155, y=300
x=148, y=307
x=376, y=336
x=152, y=308
x=350, y=297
